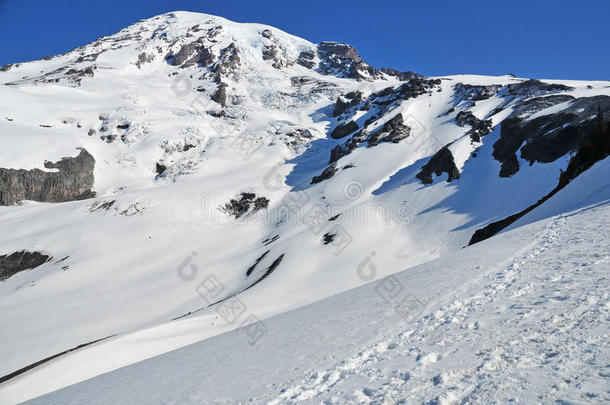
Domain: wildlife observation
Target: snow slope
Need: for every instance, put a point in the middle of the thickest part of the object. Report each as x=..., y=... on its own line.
x=132, y=266
x=521, y=317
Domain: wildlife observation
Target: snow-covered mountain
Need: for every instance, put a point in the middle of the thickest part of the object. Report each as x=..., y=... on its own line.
x=188, y=176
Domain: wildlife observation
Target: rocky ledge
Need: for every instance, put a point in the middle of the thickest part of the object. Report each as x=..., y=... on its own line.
x=73, y=181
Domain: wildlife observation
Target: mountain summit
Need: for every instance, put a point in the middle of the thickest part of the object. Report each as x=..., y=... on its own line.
x=186, y=164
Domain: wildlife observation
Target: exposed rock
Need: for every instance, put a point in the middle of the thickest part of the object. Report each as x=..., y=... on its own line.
x=306, y=58
x=73, y=181
x=220, y=96
x=160, y=168
x=344, y=130
x=476, y=92
x=228, y=61
x=342, y=150
x=479, y=128
x=6, y=67
x=340, y=107
x=535, y=87
x=343, y=60
x=441, y=162
x=328, y=173
x=142, y=59
x=266, y=33
x=239, y=207
x=402, y=76
x=19, y=261
x=548, y=137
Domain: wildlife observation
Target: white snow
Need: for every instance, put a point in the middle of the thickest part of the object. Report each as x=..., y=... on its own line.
x=122, y=275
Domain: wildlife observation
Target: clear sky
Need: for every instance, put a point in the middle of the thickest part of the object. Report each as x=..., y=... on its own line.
x=567, y=39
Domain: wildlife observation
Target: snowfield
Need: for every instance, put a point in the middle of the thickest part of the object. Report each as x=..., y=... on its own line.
x=261, y=205
x=522, y=317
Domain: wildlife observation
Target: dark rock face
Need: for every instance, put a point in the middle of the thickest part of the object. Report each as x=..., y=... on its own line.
x=220, y=96
x=441, y=162
x=479, y=128
x=548, y=137
x=343, y=60
x=535, y=87
x=73, y=181
x=343, y=150
x=349, y=100
x=266, y=33
x=240, y=206
x=476, y=93
x=20, y=261
x=228, y=61
x=402, y=76
x=340, y=107
x=328, y=173
x=396, y=130
x=344, y=130
x=594, y=146
x=191, y=54
x=306, y=59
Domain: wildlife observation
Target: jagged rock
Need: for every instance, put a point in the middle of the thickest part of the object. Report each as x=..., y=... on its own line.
x=402, y=76
x=464, y=118
x=19, y=261
x=344, y=130
x=340, y=107
x=548, y=137
x=343, y=60
x=160, y=168
x=342, y=150
x=535, y=87
x=328, y=173
x=220, y=96
x=239, y=207
x=73, y=181
x=398, y=134
x=228, y=61
x=306, y=59
x=266, y=33
x=142, y=59
x=476, y=92
x=479, y=128
x=441, y=162
x=6, y=67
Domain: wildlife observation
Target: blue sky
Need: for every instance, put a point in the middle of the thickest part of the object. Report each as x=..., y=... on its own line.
x=565, y=39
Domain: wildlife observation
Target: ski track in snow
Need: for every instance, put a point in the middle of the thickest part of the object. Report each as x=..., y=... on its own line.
x=553, y=340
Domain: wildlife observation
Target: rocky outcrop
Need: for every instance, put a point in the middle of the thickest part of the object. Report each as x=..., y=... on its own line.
x=220, y=95
x=594, y=146
x=190, y=54
x=479, y=128
x=344, y=130
x=476, y=92
x=534, y=87
x=548, y=137
x=306, y=59
x=402, y=76
x=328, y=173
x=441, y=162
x=246, y=202
x=343, y=60
x=13, y=263
x=228, y=61
x=73, y=181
